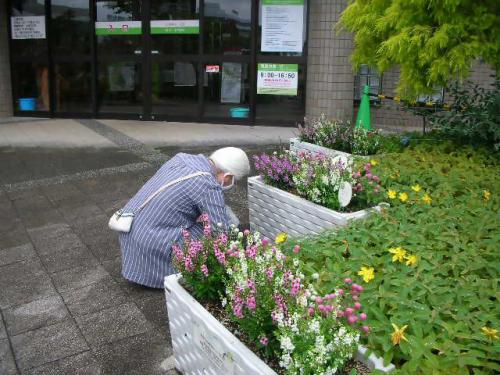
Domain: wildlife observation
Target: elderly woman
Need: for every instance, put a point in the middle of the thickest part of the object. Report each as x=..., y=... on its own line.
x=146, y=248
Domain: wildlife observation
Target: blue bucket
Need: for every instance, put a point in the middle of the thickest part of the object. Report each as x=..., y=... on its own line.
x=27, y=104
x=239, y=112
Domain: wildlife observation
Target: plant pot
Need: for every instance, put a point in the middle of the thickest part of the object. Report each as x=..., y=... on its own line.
x=273, y=210
x=297, y=145
x=202, y=345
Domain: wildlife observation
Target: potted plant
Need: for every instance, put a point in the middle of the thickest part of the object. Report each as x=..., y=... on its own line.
x=307, y=193
x=267, y=318
x=333, y=138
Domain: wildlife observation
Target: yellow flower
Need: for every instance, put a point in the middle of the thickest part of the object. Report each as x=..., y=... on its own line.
x=399, y=254
x=281, y=237
x=391, y=194
x=490, y=333
x=403, y=197
x=416, y=188
x=411, y=260
x=426, y=199
x=398, y=334
x=373, y=162
x=486, y=195
x=368, y=273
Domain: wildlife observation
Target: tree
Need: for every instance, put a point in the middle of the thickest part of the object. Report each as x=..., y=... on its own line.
x=431, y=41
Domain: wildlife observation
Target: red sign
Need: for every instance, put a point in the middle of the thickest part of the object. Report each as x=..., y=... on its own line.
x=212, y=68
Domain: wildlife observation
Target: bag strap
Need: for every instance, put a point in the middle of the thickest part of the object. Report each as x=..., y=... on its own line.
x=162, y=188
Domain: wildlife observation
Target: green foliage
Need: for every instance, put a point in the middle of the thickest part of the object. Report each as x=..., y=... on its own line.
x=474, y=117
x=451, y=293
x=430, y=41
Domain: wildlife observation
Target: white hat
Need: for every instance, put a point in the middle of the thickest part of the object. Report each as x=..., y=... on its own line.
x=231, y=160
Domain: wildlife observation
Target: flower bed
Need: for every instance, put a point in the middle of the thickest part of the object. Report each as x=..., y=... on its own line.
x=264, y=294
x=296, y=145
x=430, y=265
x=274, y=210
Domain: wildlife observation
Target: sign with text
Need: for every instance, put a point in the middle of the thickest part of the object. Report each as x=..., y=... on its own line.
x=175, y=27
x=282, y=25
x=212, y=349
x=277, y=79
x=212, y=68
x=118, y=28
x=32, y=27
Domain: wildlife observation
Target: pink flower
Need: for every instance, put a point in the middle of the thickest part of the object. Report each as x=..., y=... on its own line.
x=376, y=178
x=348, y=280
x=295, y=287
x=246, y=232
x=352, y=319
x=340, y=314
x=204, y=269
x=311, y=311
x=357, y=288
x=366, y=329
x=264, y=341
x=265, y=241
x=362, y=316
x=355, y=298
x=340, y=292
x=296, y=249
x=251, y=303
x=185, y=234
x=207, y=230
x=349, y=311
x=357, y=306
x=269, y=273
x=369, y=176
x=319, y=300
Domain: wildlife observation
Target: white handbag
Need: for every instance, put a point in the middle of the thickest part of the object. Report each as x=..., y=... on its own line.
x=122, y=221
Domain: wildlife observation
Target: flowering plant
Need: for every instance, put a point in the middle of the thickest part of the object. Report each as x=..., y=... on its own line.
x=277, y=311
x=339, y=135
x=320, y=179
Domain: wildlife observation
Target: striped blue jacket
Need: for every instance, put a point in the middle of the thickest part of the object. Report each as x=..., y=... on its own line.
x=146, y=249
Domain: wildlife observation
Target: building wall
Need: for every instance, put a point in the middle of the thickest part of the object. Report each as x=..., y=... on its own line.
x=330, y=79
x=5, y=86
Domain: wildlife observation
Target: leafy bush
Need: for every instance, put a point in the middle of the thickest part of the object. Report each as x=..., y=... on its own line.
x=267, y=296
x=429, y=264
x=474, y=116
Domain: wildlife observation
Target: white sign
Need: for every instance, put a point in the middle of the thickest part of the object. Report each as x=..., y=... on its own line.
x=277, y=79
x=212, y=69
x=231, y=83
x=282, y=25
x=32, y=27
x=212, y=349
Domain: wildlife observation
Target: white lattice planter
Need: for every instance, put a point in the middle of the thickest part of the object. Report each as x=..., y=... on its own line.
x=296, y=145
x=202, y=345
x=273, y=210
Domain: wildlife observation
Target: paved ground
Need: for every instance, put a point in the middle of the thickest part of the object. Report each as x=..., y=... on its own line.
x=64, y=307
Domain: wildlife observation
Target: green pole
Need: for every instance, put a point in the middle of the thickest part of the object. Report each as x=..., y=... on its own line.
x=363, y=119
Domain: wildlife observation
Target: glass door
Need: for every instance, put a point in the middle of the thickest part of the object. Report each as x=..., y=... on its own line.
x=174, y=58
x=120, y=58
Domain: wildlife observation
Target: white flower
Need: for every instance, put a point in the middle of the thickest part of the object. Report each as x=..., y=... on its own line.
x=224, y=302
x=240, y=235
x=324, y=179
x=315, y=276
x=295, y=262
x=229, y=271
x=302, y=301
x=219, y=225
x=286, y=344
x=314, y=326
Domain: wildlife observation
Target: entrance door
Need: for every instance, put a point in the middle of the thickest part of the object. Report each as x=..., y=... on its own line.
x=120, y=58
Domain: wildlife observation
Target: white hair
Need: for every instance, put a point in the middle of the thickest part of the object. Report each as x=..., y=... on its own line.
x=231, y=160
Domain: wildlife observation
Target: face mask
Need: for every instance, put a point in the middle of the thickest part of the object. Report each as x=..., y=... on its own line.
x=230, y=186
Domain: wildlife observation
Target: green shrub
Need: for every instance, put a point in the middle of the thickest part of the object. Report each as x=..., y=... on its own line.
x=434, y=257
x=474, y=117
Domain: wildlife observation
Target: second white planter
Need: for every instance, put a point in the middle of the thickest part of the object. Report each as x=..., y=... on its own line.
x=273, y=210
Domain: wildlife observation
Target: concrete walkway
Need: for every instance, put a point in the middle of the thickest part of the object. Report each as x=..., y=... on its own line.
x=64, y=307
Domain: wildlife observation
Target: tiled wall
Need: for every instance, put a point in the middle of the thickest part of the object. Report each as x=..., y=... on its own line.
x=5, y=89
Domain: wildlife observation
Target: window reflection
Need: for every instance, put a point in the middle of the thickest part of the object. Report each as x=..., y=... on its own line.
x=31, y=86
x=228, y=26
x=70, y=26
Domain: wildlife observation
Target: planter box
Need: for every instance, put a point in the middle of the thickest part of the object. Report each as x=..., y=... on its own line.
x=273, y=210
x=202, y=345
x=297, y=145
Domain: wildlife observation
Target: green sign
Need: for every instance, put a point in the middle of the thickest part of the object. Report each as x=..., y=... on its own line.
x=282, y=2
x=175, y=27
x=277, y=79
x=118, y=28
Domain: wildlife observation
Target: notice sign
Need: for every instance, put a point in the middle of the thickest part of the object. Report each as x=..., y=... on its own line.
x=212, y=349
x=212, y=68
x=282, y=25
x=118, y=28
x=32, y=27
x=175, y=27
x=277, y=79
